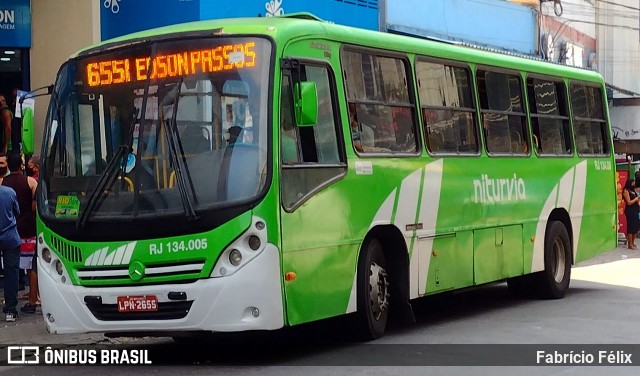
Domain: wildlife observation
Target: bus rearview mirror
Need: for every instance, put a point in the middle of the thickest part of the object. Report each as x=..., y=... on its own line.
x=306, y=103
x=27, y=131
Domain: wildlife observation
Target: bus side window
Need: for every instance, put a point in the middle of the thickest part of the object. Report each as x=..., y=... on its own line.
x=589, y=123
x=503, y=116
x=310, y=155
x=549, y=117
x=448, y=111
x=381, y=109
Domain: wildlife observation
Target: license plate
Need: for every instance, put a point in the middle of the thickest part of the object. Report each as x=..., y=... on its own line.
x=137, y=303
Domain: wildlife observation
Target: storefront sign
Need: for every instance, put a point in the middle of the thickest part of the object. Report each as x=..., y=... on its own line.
x=15, y=23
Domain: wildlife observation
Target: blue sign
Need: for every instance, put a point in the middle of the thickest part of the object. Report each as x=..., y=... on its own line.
x=508, y=25
x=119, y=17
x=357, y=13
x=15, y=23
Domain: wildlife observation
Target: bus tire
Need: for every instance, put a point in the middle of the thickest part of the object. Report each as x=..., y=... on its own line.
x=373, y=291
x=554, y=279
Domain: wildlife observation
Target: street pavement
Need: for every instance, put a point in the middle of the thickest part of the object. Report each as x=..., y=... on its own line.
x=620, y=266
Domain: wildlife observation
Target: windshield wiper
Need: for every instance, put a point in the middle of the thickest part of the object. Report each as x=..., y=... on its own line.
x=173, y=141
x=110, y=173
x=107, y=179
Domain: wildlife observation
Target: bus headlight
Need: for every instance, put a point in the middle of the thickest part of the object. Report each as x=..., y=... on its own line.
x=59, y=268
x=235, y=257
x=46, y=255
x=55, y=268
x=244, y=249
x=254, y=242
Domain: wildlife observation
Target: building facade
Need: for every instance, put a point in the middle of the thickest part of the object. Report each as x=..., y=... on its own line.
x=15, y=42
x=619, y=62
x=575, y=32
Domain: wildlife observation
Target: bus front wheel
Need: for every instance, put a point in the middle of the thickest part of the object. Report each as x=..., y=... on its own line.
x=373, y=291
x=554, y=280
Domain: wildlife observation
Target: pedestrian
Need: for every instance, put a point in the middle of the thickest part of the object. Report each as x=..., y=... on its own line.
x=25, y=189
x=16, y=125
x=9, y=246
x=6, y=117
x=631, y=211
x=34, y=166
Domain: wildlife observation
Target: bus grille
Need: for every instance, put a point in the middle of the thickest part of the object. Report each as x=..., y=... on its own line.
x=67, y=251
x=166, y=311
x=187, y=269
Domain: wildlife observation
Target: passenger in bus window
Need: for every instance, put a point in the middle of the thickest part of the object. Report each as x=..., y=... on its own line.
x=355, y=129
x=361, y=134
x=631, y=212
x=403, y=129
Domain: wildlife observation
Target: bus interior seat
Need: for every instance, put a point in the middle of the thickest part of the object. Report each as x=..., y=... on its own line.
x=243, y=178
x=205, y=171
x=194, y=140
x=227, y=174
x=436, y=142
x=450, y=146
x=516, y=143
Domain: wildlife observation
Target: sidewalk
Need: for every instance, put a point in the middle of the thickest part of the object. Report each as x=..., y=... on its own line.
x=618, y=267
x=619, y=253
x=30, y=328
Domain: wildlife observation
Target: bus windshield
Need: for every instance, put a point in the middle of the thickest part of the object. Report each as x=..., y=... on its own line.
x=161, y=127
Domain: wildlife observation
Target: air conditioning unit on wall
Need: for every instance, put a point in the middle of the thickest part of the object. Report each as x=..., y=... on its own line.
x=573, y=54
x=546, y=44
x=593, y=61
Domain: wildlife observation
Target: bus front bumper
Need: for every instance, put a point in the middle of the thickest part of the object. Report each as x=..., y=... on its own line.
x=250, y=299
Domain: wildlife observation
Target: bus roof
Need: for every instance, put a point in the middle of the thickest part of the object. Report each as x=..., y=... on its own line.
x=292, y=26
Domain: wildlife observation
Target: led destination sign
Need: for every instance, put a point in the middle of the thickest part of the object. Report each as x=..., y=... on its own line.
x=179, y=64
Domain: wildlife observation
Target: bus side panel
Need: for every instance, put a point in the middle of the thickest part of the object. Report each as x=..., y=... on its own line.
x=598, y=227
x=497, y=253
x=528, y=237
x=321, y=237
x=500, y=201
x=451, y=264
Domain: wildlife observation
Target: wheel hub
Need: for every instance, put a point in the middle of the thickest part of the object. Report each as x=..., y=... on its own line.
x=378, y=290
x=559, y=260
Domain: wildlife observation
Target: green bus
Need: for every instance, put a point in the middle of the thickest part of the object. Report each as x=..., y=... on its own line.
x=251, y=174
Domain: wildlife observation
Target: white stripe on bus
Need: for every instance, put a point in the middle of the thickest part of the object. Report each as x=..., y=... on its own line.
x=577, y=203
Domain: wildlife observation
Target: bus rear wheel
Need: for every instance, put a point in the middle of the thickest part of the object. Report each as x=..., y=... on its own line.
x=554, y=281
x=373, y=291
